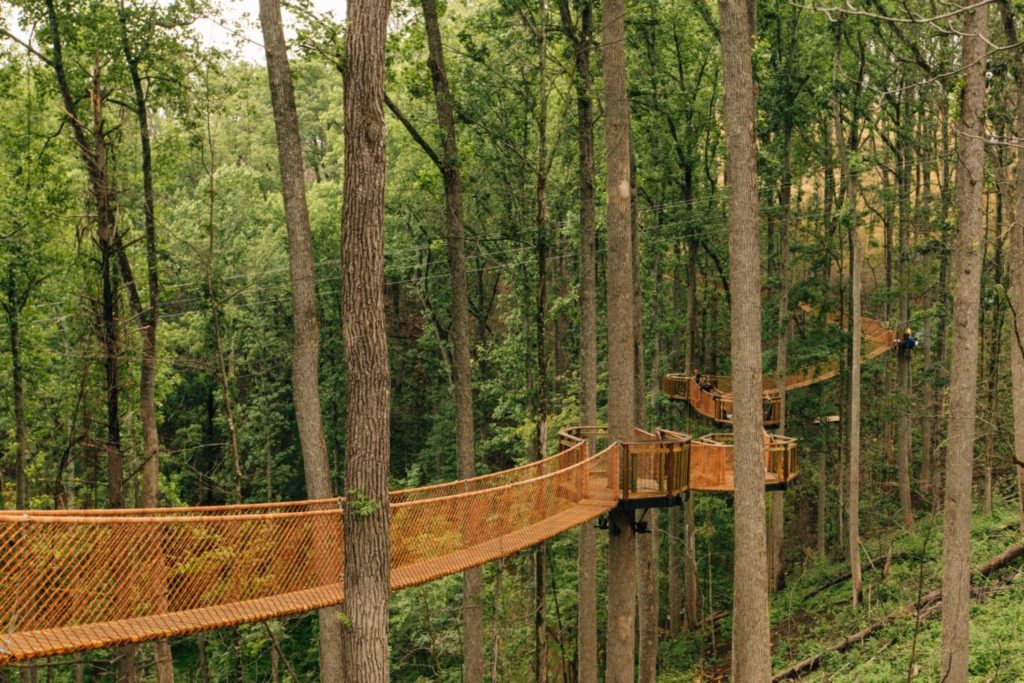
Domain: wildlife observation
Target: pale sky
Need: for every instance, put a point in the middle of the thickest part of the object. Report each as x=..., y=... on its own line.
x=235, y=30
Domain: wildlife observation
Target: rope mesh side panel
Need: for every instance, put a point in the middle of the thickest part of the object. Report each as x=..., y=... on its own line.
x=71, y=581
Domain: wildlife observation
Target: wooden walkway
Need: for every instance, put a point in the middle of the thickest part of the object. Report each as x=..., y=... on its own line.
x=79, y=580
x=711, y=395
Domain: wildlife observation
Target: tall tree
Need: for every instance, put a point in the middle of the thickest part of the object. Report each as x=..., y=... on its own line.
x=963, y=388
x=751, y=650
x=367, y=448
x=93, y=139
x=581, y=41
x=849, y=216
x=904, y=171
x=148, y=316
x=621, y=609
x=305, y=323
x=455, y=235
x=1017, y=272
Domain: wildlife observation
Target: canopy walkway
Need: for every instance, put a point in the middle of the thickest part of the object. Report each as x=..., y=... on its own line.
x=73, y=580
x=711, y=395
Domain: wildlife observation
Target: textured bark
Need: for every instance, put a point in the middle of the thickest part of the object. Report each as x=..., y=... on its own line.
x=455, y=235
x=582, y=41
x=621, y=609
x=305, y=323
x=367, y=455
x=963, y=389
x=751, y=646
x=647, y=595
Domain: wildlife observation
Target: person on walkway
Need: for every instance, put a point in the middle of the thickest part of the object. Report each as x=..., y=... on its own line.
x=908, y=342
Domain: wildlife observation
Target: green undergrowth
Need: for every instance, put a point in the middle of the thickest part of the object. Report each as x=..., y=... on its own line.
x=813, y=612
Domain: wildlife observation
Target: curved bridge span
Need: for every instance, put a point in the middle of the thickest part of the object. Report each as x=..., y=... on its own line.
x=76, y=580
x=711, y=395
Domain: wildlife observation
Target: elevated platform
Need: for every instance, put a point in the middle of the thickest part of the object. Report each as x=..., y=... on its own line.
x=711, y=395
x=75, y=580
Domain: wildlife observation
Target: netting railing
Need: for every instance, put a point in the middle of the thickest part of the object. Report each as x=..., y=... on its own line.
x=75, y=580
x=713, y=400
x=712, y=464
x=81, y=579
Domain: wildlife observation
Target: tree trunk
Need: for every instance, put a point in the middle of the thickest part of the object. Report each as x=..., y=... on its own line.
x=586, y=648
x=621, y=607
x=690, y=531
x=92, y=148
x=455, y=232
x=305, y=323
x=777, y=574
x=963, y=389
x=367, y=455
x=18, y=389
x=148, y=319
x=849, y=200
x=1016, y=222
x=540, y=324
x=903, y=426
x=751, y=651
x=647, y=543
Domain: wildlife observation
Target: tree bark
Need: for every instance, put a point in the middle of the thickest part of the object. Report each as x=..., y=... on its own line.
x=367, y=454
x=621, y=609
x=455, y=233
x=582, y=41
x=963, y=389
x=751, y=649
x=305, y=323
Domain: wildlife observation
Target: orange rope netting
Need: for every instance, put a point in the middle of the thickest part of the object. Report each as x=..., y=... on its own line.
x=715, y=402
x=74, y=580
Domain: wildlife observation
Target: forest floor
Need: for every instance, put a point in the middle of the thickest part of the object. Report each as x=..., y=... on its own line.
x=813, y=614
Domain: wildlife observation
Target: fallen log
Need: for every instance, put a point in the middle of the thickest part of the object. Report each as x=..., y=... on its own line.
x=927, y=605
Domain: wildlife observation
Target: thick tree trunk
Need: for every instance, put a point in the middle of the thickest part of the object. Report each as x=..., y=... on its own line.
x=305, y=323
x=963, y=389
x=751, y=650
x=621, y=544
x=367, y=454
x=582, y=39
x=455, y=233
